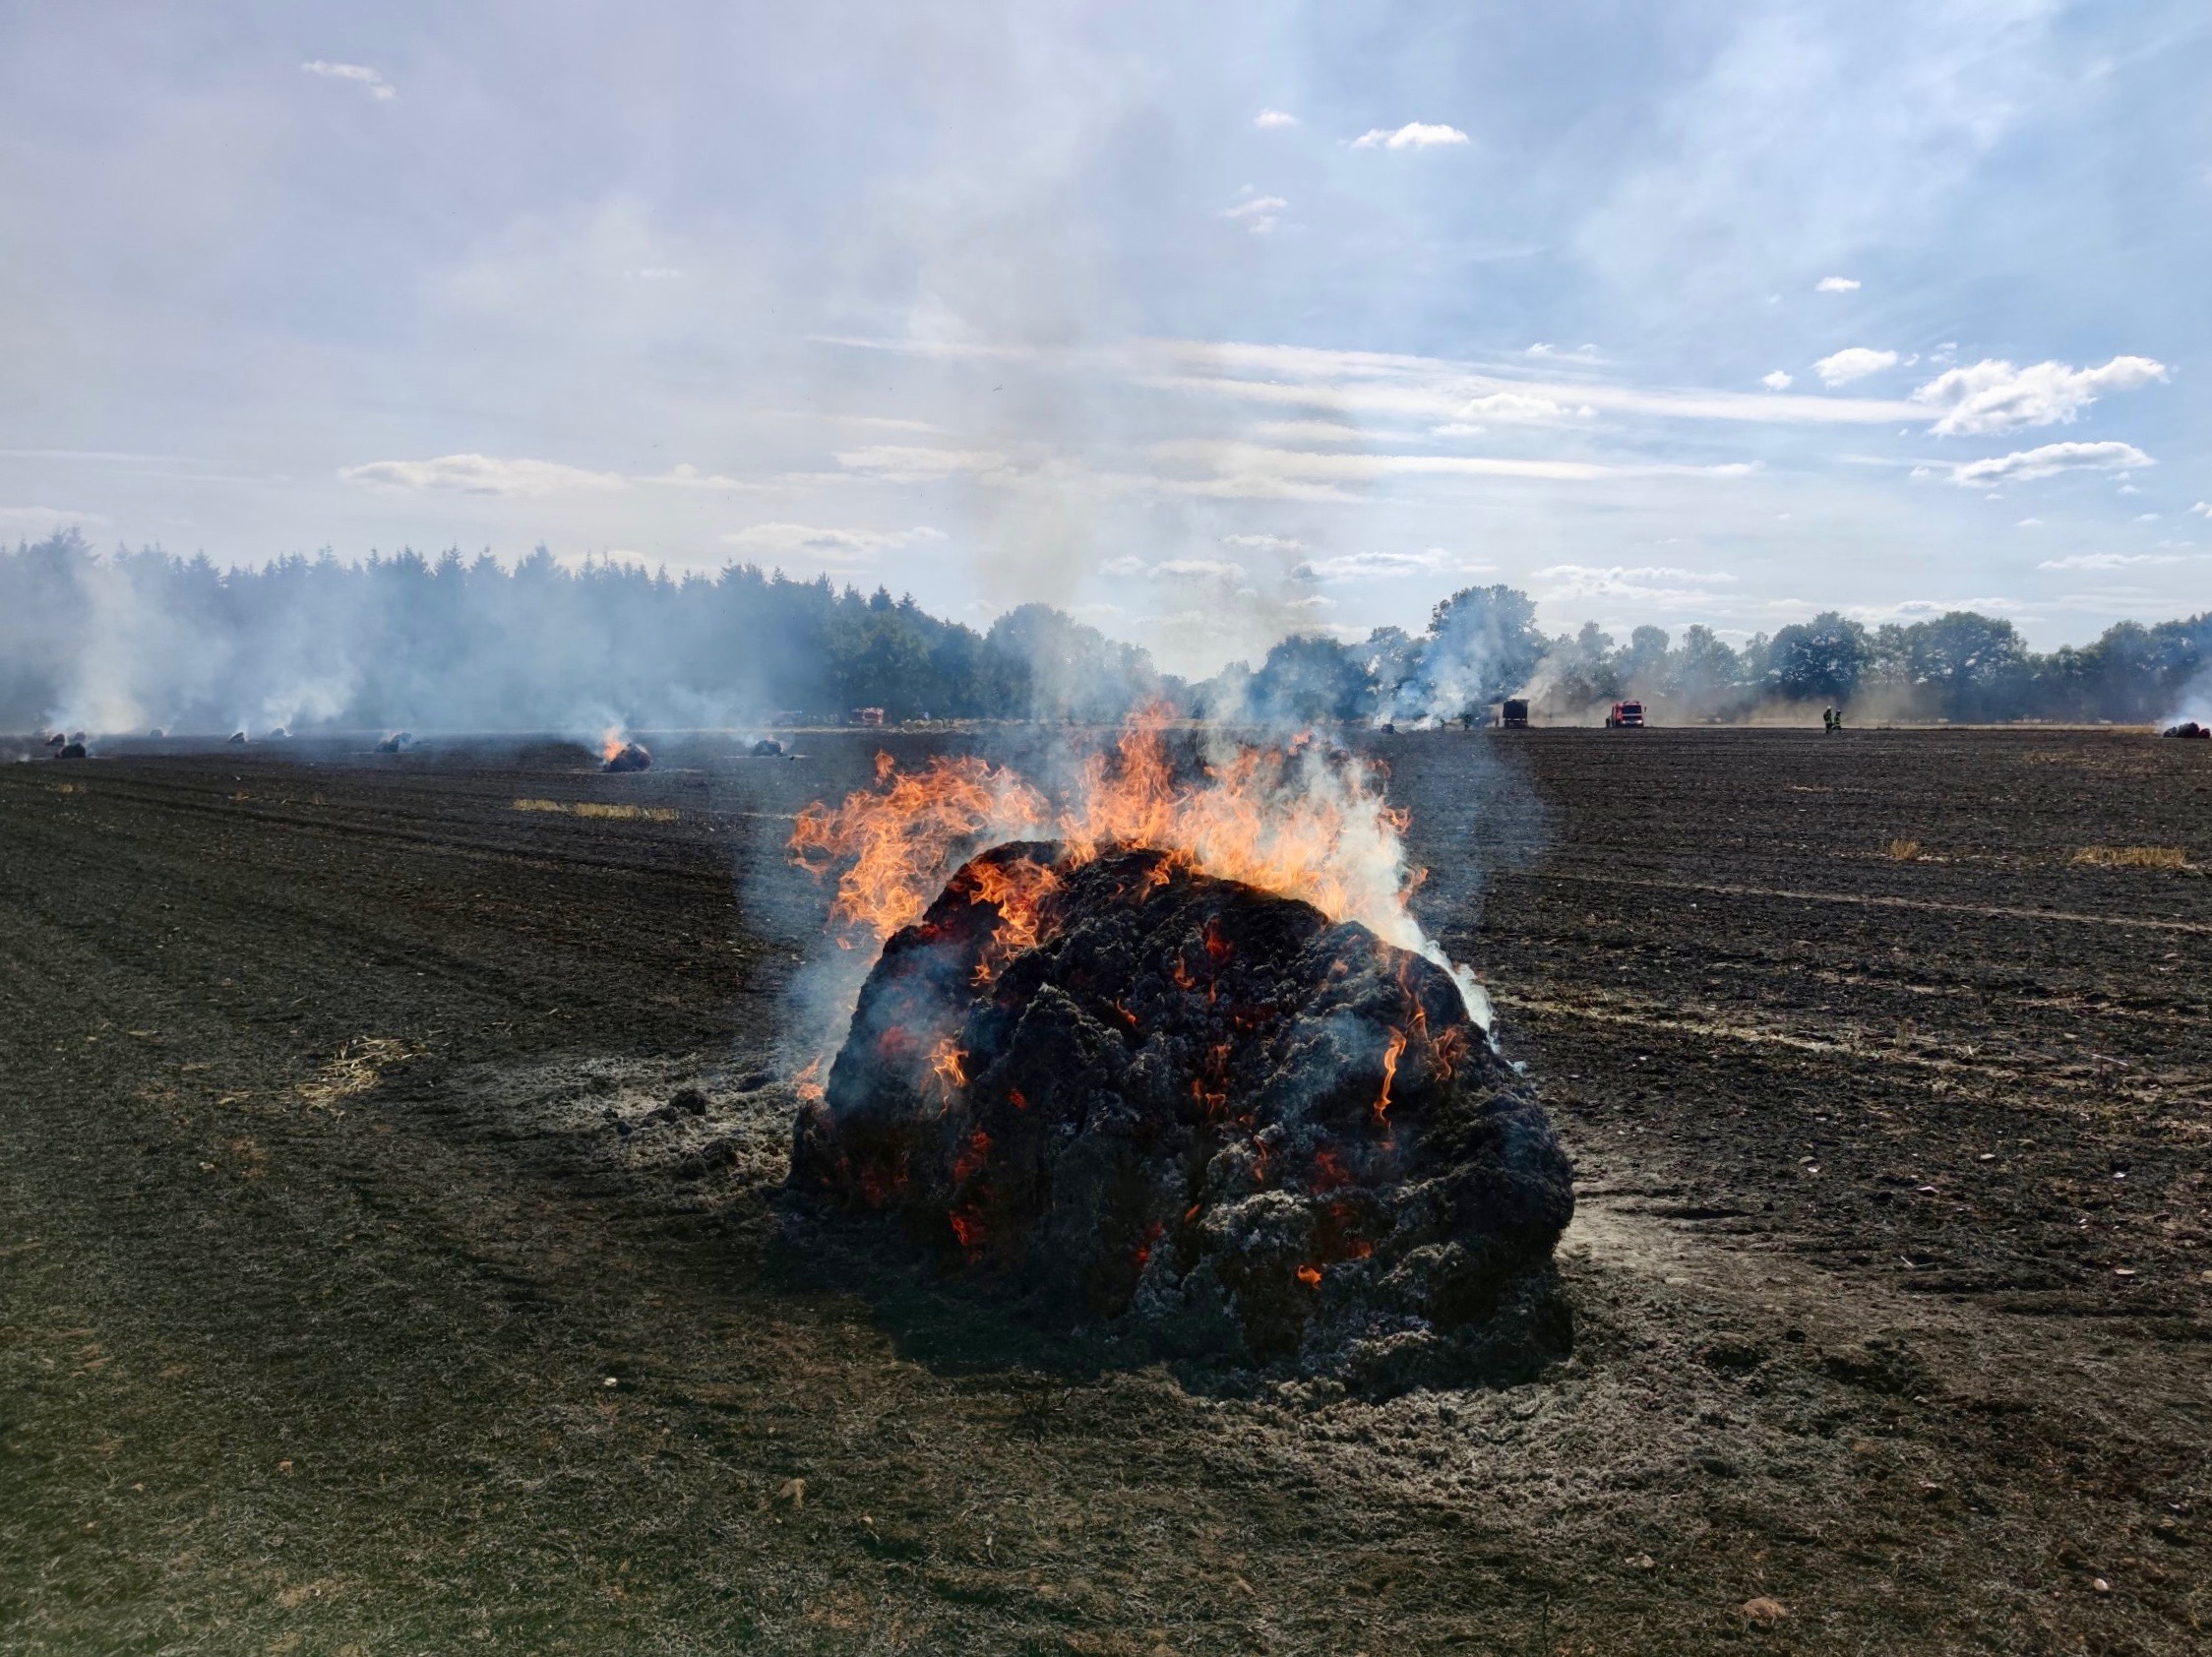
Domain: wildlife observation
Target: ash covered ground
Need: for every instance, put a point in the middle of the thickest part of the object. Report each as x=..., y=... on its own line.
x=358, y=1129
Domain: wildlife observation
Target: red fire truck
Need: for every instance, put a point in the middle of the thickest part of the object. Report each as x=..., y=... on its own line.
x=1626, y=717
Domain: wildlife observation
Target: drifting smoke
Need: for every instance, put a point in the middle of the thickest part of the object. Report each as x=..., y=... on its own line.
x=125, y=643
x=133, y=640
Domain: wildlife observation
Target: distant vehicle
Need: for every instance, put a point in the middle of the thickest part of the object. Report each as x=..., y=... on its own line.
x=1626, y=717
x=1515, y=715
x=864, y=716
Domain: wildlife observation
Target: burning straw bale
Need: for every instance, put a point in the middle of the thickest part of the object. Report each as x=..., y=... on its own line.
x=627, y=757
x=1135, y=1094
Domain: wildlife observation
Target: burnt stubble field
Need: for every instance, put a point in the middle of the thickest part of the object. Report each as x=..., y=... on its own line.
x=387, y=1260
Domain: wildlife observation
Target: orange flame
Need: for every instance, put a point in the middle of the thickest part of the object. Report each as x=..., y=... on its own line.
x=611, y=743
x=1288, y=820
x=1294, y=819
x=949, y=1065
x=899, y=839
x=1310, y=1275
x=1390, y=1072
x=805, y=1087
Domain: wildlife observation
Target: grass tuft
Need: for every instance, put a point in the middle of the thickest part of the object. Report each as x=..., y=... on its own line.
x=354, y=1072
x=2132, y=857
x=1902, y=851
x=592, y=808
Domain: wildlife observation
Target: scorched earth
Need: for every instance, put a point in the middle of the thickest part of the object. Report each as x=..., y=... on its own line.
x=390, y=1253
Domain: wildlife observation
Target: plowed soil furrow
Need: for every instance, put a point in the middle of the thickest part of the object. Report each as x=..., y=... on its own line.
x=361, y=1287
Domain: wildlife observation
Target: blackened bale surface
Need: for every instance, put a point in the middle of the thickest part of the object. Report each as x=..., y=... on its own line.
x=630, y=757
x=1205, y=1117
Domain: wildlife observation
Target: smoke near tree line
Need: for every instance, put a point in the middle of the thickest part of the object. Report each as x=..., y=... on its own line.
x=132, y=640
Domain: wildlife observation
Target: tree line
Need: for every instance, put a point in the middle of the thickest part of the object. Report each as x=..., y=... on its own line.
x=133, y=640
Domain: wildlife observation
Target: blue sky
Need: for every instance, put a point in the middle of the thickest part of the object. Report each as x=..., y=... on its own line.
x=1205, y=323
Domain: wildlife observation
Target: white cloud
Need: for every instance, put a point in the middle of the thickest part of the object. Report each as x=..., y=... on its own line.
x=2030, y=523
x=2202, y=509
x=1257, y=214
x=43, y=522
x=2112, y=560
x=1179, y=568
x=1921, y=609
x=1835, y=284
x=1852, y=362
x=1264, y=543
x=1995, y=397
x=1308, y=431
x=1414, y=134
x=1636, y=571
x=829, y=546
x=898, y=463
x=482, y=474
x=1663, y=585
x=685, y=475
x=1382, y=566
x=1512, y=405
x=1270, y=118
x=2146, y=518
x=1776, y=381
x=1249, y=470
x=378, y=86
x=2022, y=466
x=1197, y=569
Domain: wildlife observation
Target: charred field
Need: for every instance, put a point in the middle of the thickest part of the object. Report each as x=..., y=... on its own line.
x=391, y=1261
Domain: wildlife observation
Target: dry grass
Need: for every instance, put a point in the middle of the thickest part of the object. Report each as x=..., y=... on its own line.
x=2133, y=857
x=354, y=1072
x=1902, y=851
x=591, y=808
x=65, y=788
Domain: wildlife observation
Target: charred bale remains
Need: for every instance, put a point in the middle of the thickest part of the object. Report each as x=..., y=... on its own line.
x=630, y=757
x=1203, y=1115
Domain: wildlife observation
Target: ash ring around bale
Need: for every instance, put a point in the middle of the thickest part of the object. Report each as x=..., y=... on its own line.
x=1128, y=1096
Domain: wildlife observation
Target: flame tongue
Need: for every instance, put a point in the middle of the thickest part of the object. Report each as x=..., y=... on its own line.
x=1290, y=821
x=900, y=838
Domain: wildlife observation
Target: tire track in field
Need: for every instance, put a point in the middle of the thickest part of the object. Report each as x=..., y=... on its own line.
x=1869, y=900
